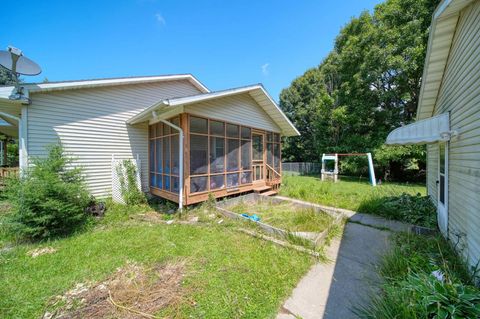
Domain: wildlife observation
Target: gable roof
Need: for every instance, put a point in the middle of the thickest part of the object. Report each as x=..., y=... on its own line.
x=442, y=31
x=6, y=91
x=171, y=107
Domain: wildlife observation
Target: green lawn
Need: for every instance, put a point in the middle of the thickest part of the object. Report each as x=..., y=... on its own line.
x=286, y=216
x=228, y=275
x=358, y=195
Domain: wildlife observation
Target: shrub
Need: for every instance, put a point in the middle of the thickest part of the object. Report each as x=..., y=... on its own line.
x=49, y=199
x=127, y=174
x=413, y=209
x=424, y=296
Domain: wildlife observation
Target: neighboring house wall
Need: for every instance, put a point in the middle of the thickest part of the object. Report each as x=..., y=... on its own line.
x=90, y=123
x=240, y=109
x=460, y=94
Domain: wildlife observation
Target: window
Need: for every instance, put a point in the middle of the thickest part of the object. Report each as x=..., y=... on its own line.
x=220, y=155
x=198, y=154
x=270, y=154
x=217, y=155
x=232, y=130
x=164, y=157
x=246, y=133
x=166, y=129
x=232, y=180
x=198, y=184
x=276, y=156
x=175, y=155
x=198, y=125
x=158, y=156
x=217, y=128
x=232, y=155
x=246, y=177
x=174, y=184
x=166, y=154
x=217, y=182
x=246, y=154
x=152, y=155
x=257, y=141
x=273, y=151
x=166, y=182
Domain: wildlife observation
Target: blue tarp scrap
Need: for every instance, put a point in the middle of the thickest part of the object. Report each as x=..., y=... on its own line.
x=253, y=217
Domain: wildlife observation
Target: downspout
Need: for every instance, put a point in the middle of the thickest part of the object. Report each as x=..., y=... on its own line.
x=180, y=156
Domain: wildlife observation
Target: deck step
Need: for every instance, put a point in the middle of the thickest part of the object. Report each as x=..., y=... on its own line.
x=269, y=193
x=262, y=189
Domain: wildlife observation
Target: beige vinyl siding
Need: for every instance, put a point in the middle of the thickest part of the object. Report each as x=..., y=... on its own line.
x=240, y=109
x=460, y=94
x=90, y=123
x=432, y=172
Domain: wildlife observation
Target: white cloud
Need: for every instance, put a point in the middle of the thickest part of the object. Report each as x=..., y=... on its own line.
x=160, y=19
x=265, y=69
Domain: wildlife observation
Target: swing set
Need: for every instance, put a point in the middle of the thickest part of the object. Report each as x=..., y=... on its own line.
x=333, y=174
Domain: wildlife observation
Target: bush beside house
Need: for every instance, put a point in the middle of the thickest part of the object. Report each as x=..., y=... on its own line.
x=49, y=199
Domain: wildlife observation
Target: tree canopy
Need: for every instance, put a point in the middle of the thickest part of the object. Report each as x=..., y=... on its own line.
x=366, y=86
x=6, y=77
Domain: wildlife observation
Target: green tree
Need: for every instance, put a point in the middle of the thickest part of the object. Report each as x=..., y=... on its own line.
x=368, y=85
x=6, y=77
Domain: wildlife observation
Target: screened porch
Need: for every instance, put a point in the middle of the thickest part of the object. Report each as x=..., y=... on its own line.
x=219, y=158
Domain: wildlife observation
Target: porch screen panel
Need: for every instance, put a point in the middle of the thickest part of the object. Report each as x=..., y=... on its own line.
x=198, y=154
x=228, y=146
x=274, y=151
x=232, y=155
x=164, y=157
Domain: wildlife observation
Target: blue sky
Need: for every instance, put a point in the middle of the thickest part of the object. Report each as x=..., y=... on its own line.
x=223, y=43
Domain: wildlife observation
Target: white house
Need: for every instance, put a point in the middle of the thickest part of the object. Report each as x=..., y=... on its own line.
x=448, y=121
x=229, y=140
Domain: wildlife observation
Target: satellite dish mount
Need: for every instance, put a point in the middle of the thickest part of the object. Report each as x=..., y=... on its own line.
x=14, y=61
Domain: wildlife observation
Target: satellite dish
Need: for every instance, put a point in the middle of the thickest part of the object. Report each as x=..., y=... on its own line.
x=14, y=60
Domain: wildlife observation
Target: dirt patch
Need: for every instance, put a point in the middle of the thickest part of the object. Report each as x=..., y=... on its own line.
x=133, y=291
x=41, y=251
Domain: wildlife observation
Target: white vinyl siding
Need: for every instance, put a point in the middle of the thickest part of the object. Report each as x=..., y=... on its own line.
x=240, y=109
x=90, y=123
x=460, y=94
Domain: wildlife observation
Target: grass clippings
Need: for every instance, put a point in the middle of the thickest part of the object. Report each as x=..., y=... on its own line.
x=133, y=291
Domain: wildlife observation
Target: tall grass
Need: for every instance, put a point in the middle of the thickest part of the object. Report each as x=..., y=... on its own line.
x=412, y=291
x=405, y=202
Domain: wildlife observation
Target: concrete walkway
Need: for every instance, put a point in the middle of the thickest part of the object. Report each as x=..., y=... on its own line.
x=331, y=290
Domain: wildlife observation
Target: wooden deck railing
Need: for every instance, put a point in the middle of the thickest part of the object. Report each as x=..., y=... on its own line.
x=274, y=178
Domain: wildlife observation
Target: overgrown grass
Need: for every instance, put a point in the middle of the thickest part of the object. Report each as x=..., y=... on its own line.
x=229, y=274
x=412, y=291
x=286, y=216
x=357, y=194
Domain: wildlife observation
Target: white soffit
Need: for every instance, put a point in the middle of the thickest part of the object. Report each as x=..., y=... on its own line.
x=431, y=130
x=442, y=31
